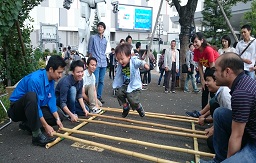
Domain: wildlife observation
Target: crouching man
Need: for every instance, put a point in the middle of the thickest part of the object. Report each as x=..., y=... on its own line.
x=34, y=103
x=89, y=89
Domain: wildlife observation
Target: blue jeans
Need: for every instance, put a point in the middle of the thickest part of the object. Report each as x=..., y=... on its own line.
x=161, y=75
x=222, y=131
x=250, y=73
x=72, y=103
x=99, y=76
x=191, y=77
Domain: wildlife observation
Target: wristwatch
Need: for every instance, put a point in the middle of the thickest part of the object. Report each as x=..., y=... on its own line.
x=58, y=119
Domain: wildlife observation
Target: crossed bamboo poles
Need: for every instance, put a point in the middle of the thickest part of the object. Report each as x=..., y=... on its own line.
x=191, y=133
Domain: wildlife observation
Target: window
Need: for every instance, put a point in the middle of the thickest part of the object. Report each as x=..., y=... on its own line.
x=74, y=38
x=175, y=25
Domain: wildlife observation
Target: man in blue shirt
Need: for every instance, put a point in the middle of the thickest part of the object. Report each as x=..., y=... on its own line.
x=97, y=49
x=69, y=92
x=34, y=103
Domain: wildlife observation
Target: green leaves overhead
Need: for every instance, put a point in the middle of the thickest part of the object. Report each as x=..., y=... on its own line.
x=9, y=10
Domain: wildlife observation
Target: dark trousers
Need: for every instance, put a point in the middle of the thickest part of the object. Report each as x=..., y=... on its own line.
x=205, y=93
x=168, y=75
x=132, y=97
x=147, y=77
x=26, y=109
x=112, y=71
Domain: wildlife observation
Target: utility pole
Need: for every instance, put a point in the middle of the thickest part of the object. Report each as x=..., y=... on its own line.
x=154, y=30
x=159, y=31
x=227, y=21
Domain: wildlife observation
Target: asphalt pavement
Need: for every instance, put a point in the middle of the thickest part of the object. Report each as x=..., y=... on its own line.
x=16, y=146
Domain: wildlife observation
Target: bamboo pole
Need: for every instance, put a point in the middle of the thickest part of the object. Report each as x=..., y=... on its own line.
x=152, y=124
x=138, y=142
x=152, y=113
x=147, y=129
x=154, y=116
x=49, y=145
x=114, y=149
x=197, y=157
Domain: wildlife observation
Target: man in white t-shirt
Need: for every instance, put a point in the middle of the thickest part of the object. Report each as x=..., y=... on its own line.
x=248, y=56
x=89, y=92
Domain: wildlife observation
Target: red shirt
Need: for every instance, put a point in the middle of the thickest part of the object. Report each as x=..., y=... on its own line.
x=209, y=55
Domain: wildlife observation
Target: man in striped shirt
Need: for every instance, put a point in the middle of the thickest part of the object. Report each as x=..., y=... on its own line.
x=234, y=136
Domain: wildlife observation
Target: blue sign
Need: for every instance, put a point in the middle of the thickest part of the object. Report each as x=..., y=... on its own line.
x=134, y=18
x=143, y=19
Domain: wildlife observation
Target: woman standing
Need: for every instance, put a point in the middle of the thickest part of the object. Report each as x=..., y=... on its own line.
x=205, y=56
x=226, y=42
x=161, y=67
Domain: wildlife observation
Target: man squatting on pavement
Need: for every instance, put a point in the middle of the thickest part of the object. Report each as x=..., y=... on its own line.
x=34, y=103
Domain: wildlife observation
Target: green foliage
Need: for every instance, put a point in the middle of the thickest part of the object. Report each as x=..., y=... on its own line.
x=250, y=17
x=14, y=64
x=9, y=10
x=214, y=22
x=95, y=22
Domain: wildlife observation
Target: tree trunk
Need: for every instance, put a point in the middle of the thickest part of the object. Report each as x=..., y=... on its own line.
x=186, y=14
x=5, y=56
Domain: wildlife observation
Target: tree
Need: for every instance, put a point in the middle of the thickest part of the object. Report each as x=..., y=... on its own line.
x=186, y=14
x=250, y=17
x=95, y=23
x=213, y=21
x=13, y=63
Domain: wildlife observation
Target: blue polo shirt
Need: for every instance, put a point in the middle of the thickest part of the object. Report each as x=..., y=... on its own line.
x=97, y=47
x=39, y=83
x=243, y=92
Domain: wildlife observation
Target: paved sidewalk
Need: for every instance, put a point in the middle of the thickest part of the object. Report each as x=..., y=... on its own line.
x=16, y=146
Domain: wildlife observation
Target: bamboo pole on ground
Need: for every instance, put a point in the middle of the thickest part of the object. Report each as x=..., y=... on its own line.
x=154, y=116
x=153, y=113
x=150, y=123
x=190, y=151
x=147, y=129
x=111, y=148
x=197, y=157
x=49, y=145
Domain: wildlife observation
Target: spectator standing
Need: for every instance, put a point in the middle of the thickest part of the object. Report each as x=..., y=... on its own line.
x=246, y=48
x=190, y=75
x=68, y=60
x=97, y=49
x=171, y=63
x=161, y=67
x=112, y=63
x=226, y=42
x=128, y=39
x=76, y=56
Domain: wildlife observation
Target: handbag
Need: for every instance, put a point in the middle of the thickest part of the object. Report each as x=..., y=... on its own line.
x=184, y=68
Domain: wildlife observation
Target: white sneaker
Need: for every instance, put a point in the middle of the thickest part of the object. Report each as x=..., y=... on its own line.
x=95, y=110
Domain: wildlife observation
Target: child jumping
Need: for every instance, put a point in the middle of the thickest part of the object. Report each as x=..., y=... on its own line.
x=127, y=81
